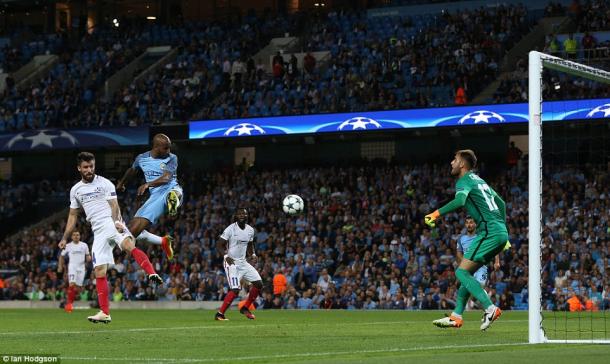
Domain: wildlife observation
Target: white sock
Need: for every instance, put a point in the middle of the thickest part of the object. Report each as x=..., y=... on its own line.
x=149, y=238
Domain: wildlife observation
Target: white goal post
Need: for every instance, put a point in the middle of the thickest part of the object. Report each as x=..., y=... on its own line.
x=537, y=61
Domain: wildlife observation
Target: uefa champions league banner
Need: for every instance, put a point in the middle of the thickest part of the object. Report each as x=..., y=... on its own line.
x=51, y=139
x=460, y=116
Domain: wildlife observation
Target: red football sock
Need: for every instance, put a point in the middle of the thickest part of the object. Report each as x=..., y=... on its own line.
x=227, y=302
x=71, y=294
x=102, y=294
x=143, y=261
x=251, y=297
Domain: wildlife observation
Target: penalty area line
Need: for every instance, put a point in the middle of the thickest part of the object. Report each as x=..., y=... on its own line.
x=298, y=355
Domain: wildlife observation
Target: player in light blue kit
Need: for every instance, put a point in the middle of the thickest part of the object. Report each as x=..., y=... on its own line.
x=160, y=168
x=464, y=244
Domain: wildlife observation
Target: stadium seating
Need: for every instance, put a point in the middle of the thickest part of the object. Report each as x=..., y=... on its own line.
x=56, y=99
x=400, y=62
x=69, y=95
x=590, y=19
x=194, y=78
x=21, y=46
x=359, y=76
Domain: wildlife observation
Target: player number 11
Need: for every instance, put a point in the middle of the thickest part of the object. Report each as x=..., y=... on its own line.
x=486, y=191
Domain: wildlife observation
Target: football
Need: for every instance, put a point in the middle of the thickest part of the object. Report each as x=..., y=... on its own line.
x=293, y=204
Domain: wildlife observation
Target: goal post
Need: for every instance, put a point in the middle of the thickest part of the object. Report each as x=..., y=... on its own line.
x=537, y=62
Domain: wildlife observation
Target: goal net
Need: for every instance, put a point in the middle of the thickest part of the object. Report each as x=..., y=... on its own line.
x=569, y=240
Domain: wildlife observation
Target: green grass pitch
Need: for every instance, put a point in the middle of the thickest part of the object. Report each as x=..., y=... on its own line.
x=168, y=336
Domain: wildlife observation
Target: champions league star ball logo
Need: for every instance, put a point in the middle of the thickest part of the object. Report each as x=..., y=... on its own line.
x=359, y=123
x=598, y=111
x=41, y=138
x=481, y=116
x=244, y=129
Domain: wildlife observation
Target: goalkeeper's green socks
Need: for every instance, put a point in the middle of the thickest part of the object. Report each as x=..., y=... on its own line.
x=474, y=287
x=462, y=299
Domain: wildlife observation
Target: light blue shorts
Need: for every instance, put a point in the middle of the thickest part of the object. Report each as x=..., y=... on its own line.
x=481, y=275
x=156, y=205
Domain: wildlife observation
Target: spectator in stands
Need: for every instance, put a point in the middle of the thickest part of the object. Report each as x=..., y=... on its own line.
x=305, y=302
x=588, y=44
x=309, y=63
x=460, y=96
x=513, y=156
x=381, y=65
x=554, y=9
x=575, y=11
x=552, y=44
x=574, y=302
x=570, y=47
x=279, y=283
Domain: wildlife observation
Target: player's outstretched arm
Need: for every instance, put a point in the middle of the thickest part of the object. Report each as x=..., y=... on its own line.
x=456, y=203
x=129, y=174
x=70, y=225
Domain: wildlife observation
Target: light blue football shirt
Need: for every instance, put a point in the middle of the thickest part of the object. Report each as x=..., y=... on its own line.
x=154, y=168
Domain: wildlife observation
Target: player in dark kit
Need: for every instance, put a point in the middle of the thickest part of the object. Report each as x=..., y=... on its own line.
x=489, y=212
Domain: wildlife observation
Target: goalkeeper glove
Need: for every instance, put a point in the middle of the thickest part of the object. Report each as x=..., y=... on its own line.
x=507, y=246
x=431, y=218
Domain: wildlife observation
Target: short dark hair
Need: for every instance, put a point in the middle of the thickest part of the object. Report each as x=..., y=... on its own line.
x=241, y=208
x=84, y=157
x=468, y=156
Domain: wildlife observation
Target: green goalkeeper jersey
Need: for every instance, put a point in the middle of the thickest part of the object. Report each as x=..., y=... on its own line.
x=481, y=201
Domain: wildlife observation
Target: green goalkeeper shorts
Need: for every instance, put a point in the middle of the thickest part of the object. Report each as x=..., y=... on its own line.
x=486, y=246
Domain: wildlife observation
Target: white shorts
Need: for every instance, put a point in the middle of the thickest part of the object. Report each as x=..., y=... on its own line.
x=76, y=276
x=238, y=270
x=105, y=238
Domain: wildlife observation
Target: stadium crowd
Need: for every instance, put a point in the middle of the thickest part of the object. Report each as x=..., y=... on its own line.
x=360, y=244
x=21, y=45
x=210, y=58
x=584, y=47
x=71, y=94
x=56, y=99
x=555, y=86
x=400, y=62
x=15, y=199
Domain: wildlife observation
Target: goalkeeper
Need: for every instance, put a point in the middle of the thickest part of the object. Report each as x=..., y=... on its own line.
x=489, y=212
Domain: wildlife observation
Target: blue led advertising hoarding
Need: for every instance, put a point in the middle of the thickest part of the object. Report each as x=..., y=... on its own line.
x=479, y=115
x=51, y=139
